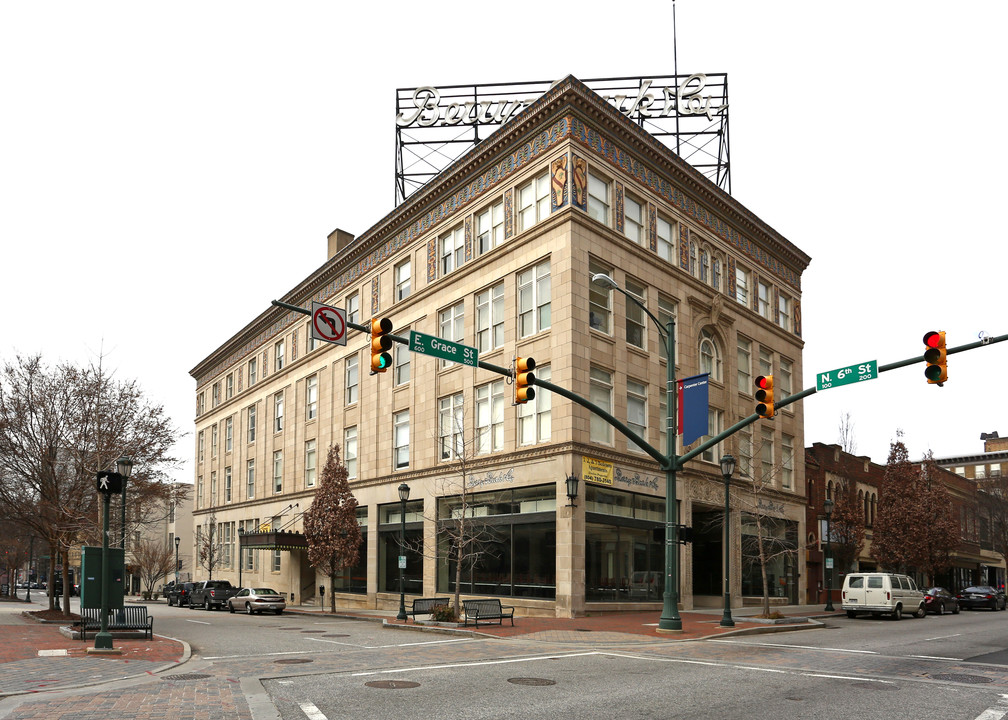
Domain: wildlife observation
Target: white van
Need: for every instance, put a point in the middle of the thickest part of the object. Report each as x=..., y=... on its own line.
x=880, y=593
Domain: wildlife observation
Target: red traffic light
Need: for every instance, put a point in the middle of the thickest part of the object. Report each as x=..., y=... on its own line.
x=933, y=339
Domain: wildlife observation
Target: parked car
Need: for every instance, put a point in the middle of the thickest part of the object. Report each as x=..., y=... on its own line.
x=178, y=594
x=881, y=593
x=211, y=594
x=255, y=600
x=939, y=600
x=981, y=596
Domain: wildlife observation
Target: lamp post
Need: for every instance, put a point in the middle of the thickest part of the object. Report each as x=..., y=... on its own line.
x=31, y=553
x=403, y=497
x=572, y=483
x=727, y=470
x=828, y=507
x=177, y=541
x=108, y=483
x=670, y=619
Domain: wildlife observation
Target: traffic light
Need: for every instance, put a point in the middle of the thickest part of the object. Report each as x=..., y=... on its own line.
x=523, y=376
x=934, y=355
x=381, y=358
x=764, y=396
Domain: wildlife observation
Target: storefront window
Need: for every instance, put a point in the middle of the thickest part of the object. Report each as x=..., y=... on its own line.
x=780, y=543
x=389, y=549
x=354, y=579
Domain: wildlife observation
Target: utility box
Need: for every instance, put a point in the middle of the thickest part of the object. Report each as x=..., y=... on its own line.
x=91, y=577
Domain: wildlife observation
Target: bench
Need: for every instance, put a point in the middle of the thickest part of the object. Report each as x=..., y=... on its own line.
x=487, y=609
x=424, y=606
x=131, y=617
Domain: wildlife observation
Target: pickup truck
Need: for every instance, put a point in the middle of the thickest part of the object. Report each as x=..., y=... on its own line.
x=211, y=594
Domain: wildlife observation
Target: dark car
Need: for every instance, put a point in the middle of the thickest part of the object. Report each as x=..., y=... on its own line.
x=981, y=596
x=939, y=600
x=178, y=594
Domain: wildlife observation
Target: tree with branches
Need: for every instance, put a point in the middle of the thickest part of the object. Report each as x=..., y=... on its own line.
x=209, y=551
x=939, y=526
x=330, y=524
x=154, y=560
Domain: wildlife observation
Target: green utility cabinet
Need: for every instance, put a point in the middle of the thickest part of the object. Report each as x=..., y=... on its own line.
x=91, y=576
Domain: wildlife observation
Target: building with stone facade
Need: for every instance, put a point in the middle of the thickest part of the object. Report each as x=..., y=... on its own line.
x=497, y=253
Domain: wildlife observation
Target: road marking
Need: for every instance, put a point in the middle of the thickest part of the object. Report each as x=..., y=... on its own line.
x=991, y=714
x=420, y=668
x=386, y=647
x=796, y=647
x=936, y=657
x=312, y=712
x=198, y=622
x=846, y=677
x=943, y=637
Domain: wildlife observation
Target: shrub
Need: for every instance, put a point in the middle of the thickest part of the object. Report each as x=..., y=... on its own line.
x=444, y=613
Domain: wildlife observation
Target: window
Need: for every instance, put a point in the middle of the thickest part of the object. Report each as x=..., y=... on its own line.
x=490, y=228
x=534, y=417
x=278, y=412
x=213, y=489
x=227, y=484
x=451, y=327
x=252, y=372
x=352, y=379
x=353, y=308
x=490, y=401
x=741, y=286
x=250, y=480
x=490, y=318
x=402, y=280
x=199, y=446
x=401, y=361
x=763, y=299
x=716, y=265
x=599, y=300
x=704, y=266
x=784, y=312
x=229, y=387
x=275, y=565
x=309, y=463
x=350, y=452
x=216, y=394
x=692, y=259
x=533, y=202
x=601, y=394
x=278, y=356
x=787, y=467
x=450, y=423
x=744, y=351
x=200, y=404
x=452, y=249
x=251, y=423
x=765, y=362
x=766, y=454
x=199, y=491
x=666, y=311
x=666, y=239
x=745, y=450
x=783, y=379
x=311, y=397
x=213, y=440
x=710, y=358
x=400, y=425
x=534, y=299
x=636, y=322
x=229, y=434
x=637, y=412
x=278, y=471
x=715, y=424
x=598, y=198
x=310, y=342
x=633, y=218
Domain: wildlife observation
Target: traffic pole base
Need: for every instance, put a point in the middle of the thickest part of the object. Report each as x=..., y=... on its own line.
x=104, y=651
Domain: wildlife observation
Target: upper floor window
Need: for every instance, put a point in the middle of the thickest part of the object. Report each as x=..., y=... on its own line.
x=599, y=300
x=710, y=357
x=229, y=387
x=601, y=393
x=490, y=401
x=402, y=280
x=278, y=471
x=637, y=411
x=744, y=359
x=216, y=393
x=452, y=249
x=352, y=379
x=451, y=322
x=401, y=361
x=742, y=285
x=763, y=299
x=704, y=266
x=228, y=434
x=636, y=322
x=490, y=318
x=598, y=198
x=633, y=218
x=716, y=265
x=278, y=410
x=199, y=446
x=784, y=312
x=665, y=230
x=213, y=440
x=350, y=452
x=490, y=228
x=278, y=355
x=310, y=342
x=783, y=379
x=400, y=439
x=450, y=419
x=353, y=308
x=693, y=266
x=533, y=201
x=534, y=299
x=250, y=479
x=715, y=424
x=309, y=464
x=765, y=361
x=251, y=423
x=666, y=311
x=534, y=417
x=787, y=469
x=252, y=372
x=311, y=397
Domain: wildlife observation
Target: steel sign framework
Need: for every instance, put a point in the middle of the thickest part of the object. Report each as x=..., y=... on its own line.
x=436, y=125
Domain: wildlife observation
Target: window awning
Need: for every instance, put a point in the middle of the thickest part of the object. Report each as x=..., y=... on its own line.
x=273, y=540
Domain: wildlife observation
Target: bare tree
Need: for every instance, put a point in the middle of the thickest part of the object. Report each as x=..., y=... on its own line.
x=330, y=524
x=154, y=560
x=209, y=551
x=848, y=443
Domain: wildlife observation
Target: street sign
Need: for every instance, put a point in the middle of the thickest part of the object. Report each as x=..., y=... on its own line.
x=444, y=349
x=328, y=324
x=847, y=375
x=402, y=562
x=829, y=563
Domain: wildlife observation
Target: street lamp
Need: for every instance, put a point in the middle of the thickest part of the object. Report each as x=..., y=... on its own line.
x=177, y=541
x=572, y=483
x=727, y=470
x=828, y=507
x=124, y=466
x=108, y=482
x=403, y=497
x=670, y=619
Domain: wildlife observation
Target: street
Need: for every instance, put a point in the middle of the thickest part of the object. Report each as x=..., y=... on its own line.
x=312, y=667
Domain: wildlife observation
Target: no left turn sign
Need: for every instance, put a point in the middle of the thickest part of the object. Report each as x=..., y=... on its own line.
x=328, y=324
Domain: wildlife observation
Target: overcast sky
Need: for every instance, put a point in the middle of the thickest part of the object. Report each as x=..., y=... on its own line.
x=167, y=169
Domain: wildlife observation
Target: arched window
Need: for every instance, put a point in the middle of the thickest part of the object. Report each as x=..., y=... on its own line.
x=867, y=509
x=710, y=357
x=829, y=490
x=704, y=266
x=874, y=498
x=716, y=265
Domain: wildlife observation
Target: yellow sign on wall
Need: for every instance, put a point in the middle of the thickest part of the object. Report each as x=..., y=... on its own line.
x=596, y=471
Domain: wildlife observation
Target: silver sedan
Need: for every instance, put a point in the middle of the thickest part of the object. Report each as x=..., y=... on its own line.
x=255, y=600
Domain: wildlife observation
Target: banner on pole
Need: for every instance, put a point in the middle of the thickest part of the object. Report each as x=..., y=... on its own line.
x=693, y=407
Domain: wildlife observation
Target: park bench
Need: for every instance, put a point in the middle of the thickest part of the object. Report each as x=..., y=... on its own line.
x=487, y=609
x=424, y=606
x=131, y=617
